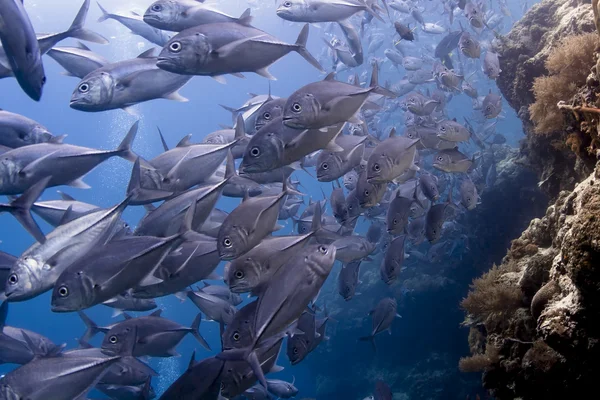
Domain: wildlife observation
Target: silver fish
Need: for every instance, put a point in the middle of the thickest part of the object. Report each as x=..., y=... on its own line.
x=228, y=48
x=492, y=105
x=348, y=280
x=452, y=160
x=17, y=131
x=322, y=10
x=21, y=46
x=328, y=102
x=391, y=265
x=39, y=266
x=179, y=15
x=138, y=26
x=382, y=317
x=126, y=83
x=248, y=224
x=78, y=61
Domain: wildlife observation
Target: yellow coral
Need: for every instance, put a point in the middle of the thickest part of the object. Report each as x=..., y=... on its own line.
x=568, y=64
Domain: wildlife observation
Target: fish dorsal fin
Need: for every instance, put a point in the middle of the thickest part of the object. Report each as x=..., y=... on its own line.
x=330, y=76
x=147, y=54
x=65, y=197
x=393, y=132
x=82, y=46
x=156, y=313
x=67, y=216
x=57, y=139
x=185, y=141
x=192, y=360
x=162, y=139
x=245, y=18
x=240, y=132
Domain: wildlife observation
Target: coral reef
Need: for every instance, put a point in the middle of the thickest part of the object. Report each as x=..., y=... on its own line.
x=523, y=54
x=551, y=341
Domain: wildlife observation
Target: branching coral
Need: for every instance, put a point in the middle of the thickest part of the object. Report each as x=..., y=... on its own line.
x=490, y=296
x=568, y=65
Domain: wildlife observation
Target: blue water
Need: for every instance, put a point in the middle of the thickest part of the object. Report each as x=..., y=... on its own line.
x=200, y=116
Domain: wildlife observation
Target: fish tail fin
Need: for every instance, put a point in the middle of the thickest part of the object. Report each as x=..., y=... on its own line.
x=141, y=194
x=371, y=11
x=371, y=339
x=76, y=30
x=301, y=48
x=124, y=148
x=375, y=84
x=196, y=332
x=105, y=14
x=20, y=208
x=92, y=327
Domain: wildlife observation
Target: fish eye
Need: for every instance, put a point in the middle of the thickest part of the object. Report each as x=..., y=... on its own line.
x=227, y=242
x=322, y=249
x=84, y=88
x=113, y=339
x=255, y=151
x=267, y=115
x=297, y=107
x=324, y=166
x=222, y=386
x=43, y=80
x=287, y=4
x=443, y=129
x=13, y=279
x=63, y=291
x=157, y=8
x=239, y=274
x=236, y=336
x=395, y=222
x=350, y=207
x=296, y=351
x=366, y=192
x=175, y=47
x=376, y=167
x=440, y=158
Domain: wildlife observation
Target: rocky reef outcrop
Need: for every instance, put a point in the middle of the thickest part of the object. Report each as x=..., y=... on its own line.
x=533, y=319
x=523, y=53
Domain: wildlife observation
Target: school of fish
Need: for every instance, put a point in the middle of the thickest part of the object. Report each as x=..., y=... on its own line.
x=407, y=180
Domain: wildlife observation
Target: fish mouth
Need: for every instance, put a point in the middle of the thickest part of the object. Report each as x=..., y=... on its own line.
x=59, y=309
x=165, y=63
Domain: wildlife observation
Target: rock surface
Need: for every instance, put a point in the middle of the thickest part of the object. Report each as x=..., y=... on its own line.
x=523, y=53
x=534, y=319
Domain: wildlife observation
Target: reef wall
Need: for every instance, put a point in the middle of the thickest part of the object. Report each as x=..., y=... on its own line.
x=533, y=319
x=523, y=53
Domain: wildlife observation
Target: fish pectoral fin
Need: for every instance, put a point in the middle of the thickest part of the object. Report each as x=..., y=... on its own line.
x=30, y=168
x=229, y=48
x=79, y=184
x=264, y=72
x=176, y=96
x=60, y=255
x=338, y=103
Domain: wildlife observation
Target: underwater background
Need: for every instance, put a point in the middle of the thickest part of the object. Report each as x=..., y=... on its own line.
x=428, y=339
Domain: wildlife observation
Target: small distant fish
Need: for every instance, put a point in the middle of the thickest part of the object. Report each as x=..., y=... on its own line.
x=452, y=160
x=491, y=65
x=491, y=105
x=404, y=31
